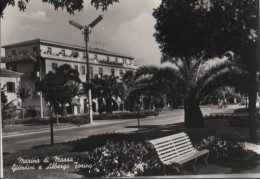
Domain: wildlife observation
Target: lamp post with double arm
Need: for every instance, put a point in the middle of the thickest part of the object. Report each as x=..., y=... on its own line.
x=86, y=32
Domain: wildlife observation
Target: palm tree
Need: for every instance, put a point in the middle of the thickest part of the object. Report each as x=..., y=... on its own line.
x=106, y=88
x=193, y=81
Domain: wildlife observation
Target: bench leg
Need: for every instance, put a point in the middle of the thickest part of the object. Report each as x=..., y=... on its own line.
x=194, y=165
x=206, y=158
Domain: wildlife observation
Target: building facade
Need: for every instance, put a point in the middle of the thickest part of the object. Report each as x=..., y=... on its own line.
x=10, y=82
x=37, y=57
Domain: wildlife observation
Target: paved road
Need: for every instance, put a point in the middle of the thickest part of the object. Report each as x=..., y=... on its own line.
x=27, y=141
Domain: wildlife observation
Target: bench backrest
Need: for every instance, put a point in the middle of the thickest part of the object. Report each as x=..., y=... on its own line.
x=173, y=147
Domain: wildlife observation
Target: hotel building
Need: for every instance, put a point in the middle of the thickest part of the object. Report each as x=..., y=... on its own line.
x=35, y=58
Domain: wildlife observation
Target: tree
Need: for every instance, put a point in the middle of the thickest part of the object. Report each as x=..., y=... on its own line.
x=24, y=91
x=106, y=88
x=128, y=79
x=3, y=96
x=192, y=83
x=208, y=29
x=70, y=5
x=58, y=88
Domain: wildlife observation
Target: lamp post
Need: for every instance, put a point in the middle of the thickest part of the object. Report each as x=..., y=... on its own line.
x=86, y=32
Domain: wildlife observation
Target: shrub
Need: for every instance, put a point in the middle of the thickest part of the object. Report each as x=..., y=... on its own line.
x=126, y=159
x=126, y=115
x=32, y=112
x=224, y=150
x=32, y=120
x=74, y=119
x=238, y=122
x=244, y=110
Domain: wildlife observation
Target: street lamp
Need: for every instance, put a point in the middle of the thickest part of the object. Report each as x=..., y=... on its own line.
x=86, y=33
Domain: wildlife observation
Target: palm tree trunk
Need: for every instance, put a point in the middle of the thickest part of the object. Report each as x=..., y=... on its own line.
x=193, y=117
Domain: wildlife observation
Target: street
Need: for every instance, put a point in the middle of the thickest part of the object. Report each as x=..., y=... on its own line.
x=27, y=141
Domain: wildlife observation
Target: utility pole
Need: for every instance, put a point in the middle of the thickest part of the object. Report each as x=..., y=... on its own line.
x=86, y=32
x=1, y=127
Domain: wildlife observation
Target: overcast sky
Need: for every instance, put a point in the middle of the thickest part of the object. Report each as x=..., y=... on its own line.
x=127, y=27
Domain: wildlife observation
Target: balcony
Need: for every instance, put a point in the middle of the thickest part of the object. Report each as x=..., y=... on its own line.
x=110, y=63
x=60, y=56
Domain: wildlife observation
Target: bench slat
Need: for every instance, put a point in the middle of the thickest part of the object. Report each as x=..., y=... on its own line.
x=175, y=157
x=168, y=137
x=176, y=154
x=172, y=144
x=162, y=152
x=162, y=143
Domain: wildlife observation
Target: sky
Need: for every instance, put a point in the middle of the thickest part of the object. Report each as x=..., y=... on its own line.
x=127, y=27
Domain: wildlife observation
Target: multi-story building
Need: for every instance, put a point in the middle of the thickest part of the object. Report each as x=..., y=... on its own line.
x=37, y=57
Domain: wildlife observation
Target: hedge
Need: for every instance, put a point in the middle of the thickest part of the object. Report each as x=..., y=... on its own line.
x=83, y=118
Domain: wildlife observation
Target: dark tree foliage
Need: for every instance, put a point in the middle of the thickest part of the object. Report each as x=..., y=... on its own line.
x=208, y=29
x=70, y=5
x=58, y=88
x=3, y=97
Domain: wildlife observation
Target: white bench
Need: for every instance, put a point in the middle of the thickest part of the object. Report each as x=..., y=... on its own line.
x=177, y=148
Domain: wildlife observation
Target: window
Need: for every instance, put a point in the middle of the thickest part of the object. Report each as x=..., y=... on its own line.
x=95, y=56
x=54, y=66
x=13, y=68
x=76, y=54
x=124, y=60
x=116, y=59
x=49, y=51
x=13, y=52
x=35, y=50
x=84, y=55
x=107, y=58
x=113, y=72
x=91, y=72
x=72, y=53
x=100, y=72
x=83, y=70
x=76, y=67
x=63, y=52
x=10, y=87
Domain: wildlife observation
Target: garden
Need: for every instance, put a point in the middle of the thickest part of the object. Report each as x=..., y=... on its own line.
x=128, y=155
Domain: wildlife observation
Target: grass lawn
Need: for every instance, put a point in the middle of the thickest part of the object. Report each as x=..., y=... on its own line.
x=24, y=128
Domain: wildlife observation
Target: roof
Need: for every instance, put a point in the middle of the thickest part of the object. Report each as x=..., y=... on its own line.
x=48, y=42
x=9, y=73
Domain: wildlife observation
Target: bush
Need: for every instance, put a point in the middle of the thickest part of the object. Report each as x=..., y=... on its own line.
x=238, y=122
x=32, y=120
x=126, y=115
x=32, y=112
x=244, y=110
x=74, y=119
x=224, y=150
x=126, y=159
